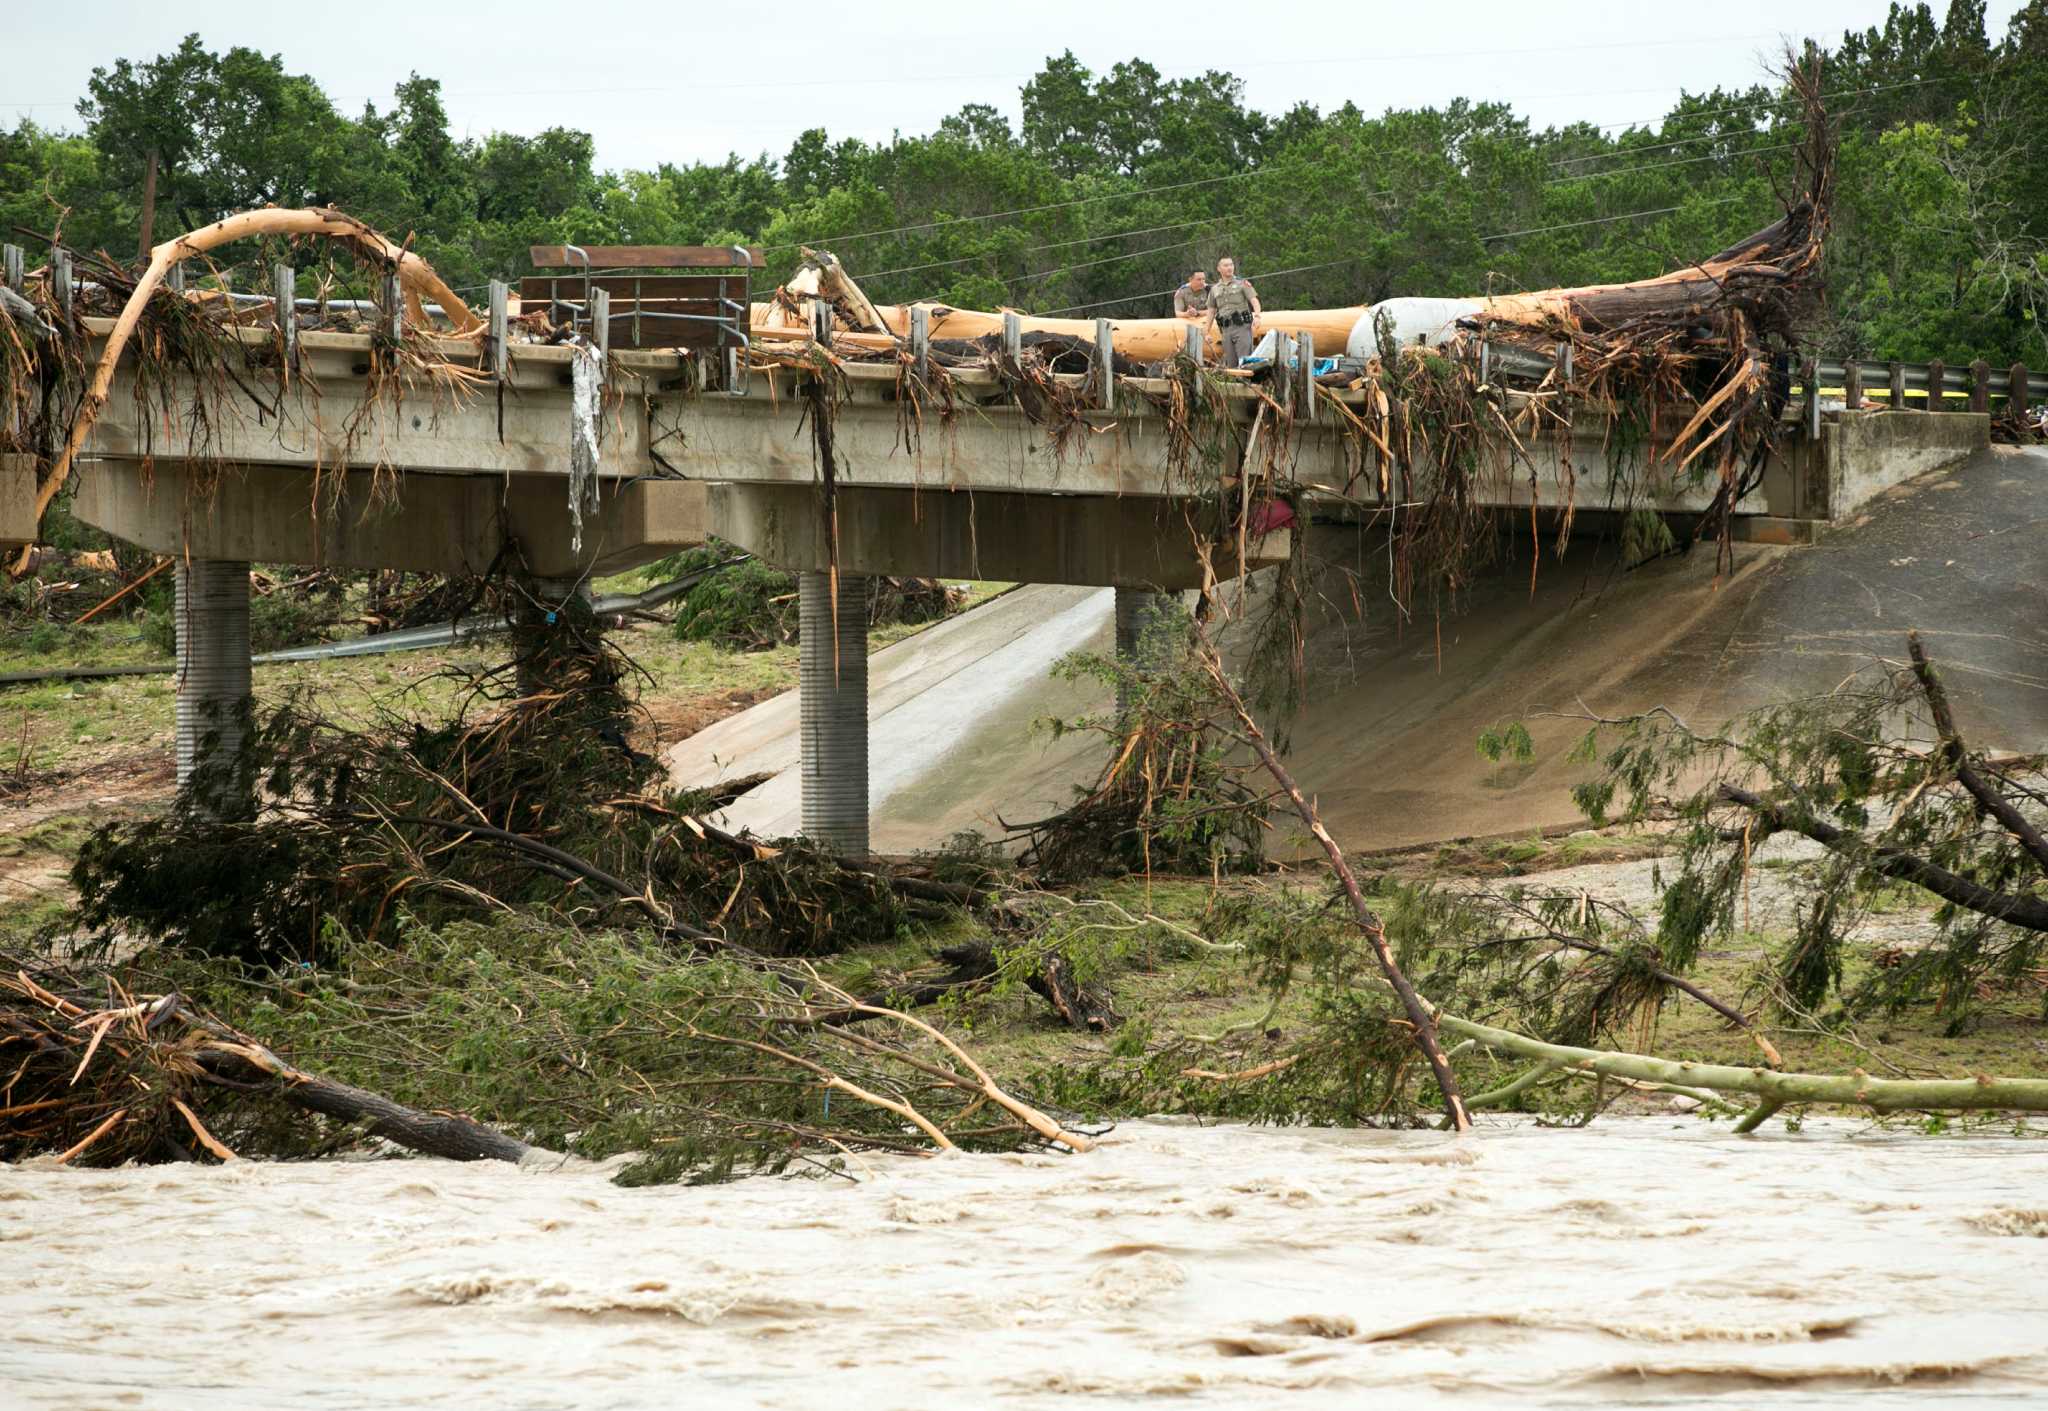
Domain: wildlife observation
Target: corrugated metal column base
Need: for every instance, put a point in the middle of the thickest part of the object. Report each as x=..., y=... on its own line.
x=832, y=687
x=1138, y=617
x=212, y=625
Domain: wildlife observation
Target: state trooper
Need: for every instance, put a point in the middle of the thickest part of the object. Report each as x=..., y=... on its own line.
x=1191, y=300
x=1234, y=312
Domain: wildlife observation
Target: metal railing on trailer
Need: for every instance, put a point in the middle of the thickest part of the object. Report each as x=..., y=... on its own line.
x=628, y=296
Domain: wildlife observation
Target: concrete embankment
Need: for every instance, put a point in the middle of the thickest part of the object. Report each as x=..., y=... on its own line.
x=1386, y=736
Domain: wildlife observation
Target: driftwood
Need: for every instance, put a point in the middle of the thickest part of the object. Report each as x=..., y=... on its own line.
x=2029, y=912
x=1421, y=1014
x=1053, y=981
x=415, y=275
x=1758, y=284
x=128, y=1078
x=240, y=1062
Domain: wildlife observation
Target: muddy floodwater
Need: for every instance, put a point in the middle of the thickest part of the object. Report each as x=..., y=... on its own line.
x=1636, y=1262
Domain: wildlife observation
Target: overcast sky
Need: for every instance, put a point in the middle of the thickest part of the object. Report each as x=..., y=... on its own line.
x=693, y=82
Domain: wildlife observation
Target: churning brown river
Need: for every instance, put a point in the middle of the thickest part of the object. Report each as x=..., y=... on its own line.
x=1638, y=1262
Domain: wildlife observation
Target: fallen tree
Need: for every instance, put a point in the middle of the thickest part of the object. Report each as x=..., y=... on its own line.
x=415, y=275
x=157, y=1058
x=589, y=1043
x=1724, y=302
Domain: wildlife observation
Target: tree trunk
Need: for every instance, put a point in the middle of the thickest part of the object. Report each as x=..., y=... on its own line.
x=429, y=1133
x=148, y=209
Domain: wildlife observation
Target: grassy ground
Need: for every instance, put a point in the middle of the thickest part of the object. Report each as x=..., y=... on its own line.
x=79, y=752
x=71, y=725
x=75, y=753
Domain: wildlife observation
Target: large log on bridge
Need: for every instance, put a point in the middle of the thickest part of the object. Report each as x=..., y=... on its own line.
x=1758, y=276
x=1761, y=284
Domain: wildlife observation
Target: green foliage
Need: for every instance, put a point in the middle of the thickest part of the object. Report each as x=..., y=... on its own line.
x=1645, y=535
x=750, y=606
x=1118, y=182
x=1838, y=764
x=746, y=607
x=276, y=620
x=596, y=1042
x=1511, y=742
x=358, y=827
x=1173, y=796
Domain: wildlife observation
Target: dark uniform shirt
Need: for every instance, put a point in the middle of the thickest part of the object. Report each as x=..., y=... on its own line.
x=1187, y=297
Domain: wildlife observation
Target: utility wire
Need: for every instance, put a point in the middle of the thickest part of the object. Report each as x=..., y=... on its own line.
x=1353, y=259
x=1013, y=280
x=1239, y=176
x=1034, y=249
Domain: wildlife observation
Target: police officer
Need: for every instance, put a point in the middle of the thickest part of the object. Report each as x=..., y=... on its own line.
x=1233, y=311
x=1191, y=300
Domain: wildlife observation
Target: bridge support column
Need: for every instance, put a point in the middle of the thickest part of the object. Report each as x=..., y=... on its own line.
x=832, y=696
x=1138, y=644
x=212, y=627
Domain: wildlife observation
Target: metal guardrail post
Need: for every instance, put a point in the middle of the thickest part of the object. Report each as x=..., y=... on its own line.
x=501, y=328
x=1013, y=336
x=921, y=340
x=60, y=279
x=821, y=323
x=1896, y=370
x=11, y=264
x=1810, y=374
x=1192, y=343
x=175, y=280
x=601, y=321
x=1283, y=367
x=2018, y=396
x=1852, y=385
x=1980, y=386
x=1305, y=351
x=1105, y=364
x=284, y=290
x=394, y=307
x=1937, y=385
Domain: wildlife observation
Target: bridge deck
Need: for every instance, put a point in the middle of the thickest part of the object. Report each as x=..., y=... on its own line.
x=665, y=426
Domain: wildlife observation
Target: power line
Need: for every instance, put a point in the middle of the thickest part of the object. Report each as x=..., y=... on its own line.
x=1014, y=280
x=1354, y=259
x=1108, y=260
x=1753, y=102
x=1020, y=211
x=1034, y=249
x=1599, y=220
x=1209, y=220
x=1239, y=176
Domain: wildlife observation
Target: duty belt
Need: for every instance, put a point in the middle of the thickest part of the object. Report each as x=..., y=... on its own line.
x=1233, y=320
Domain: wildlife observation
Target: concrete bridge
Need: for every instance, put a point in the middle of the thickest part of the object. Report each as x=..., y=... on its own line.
x=350, y=464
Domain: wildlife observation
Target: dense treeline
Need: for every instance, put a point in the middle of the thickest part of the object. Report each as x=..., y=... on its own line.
x=1117, y=183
